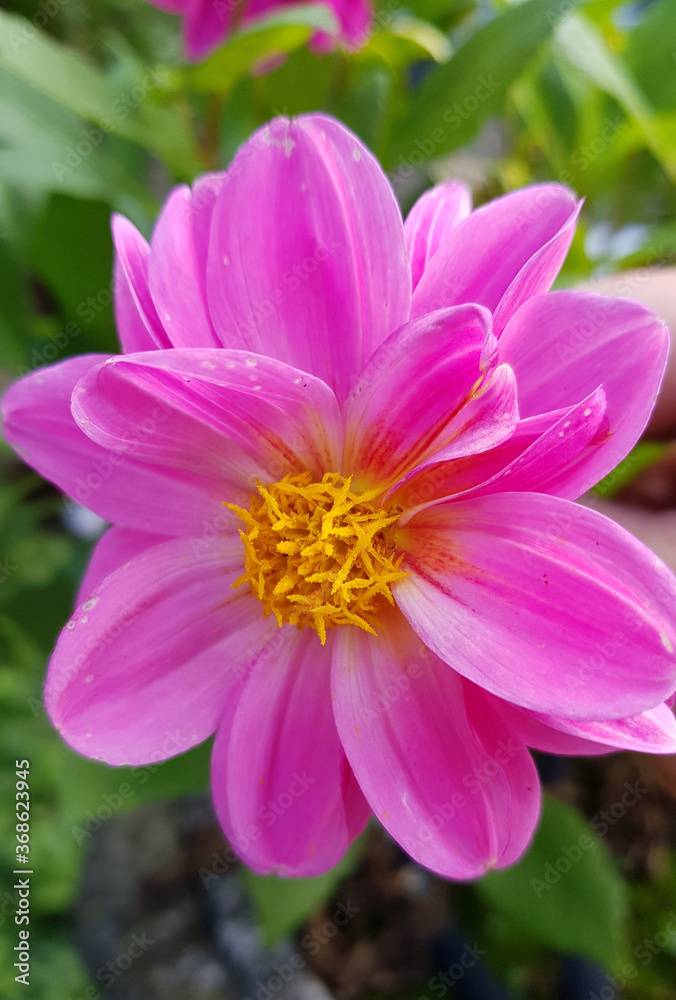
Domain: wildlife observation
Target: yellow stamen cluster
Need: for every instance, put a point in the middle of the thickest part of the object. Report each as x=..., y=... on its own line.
x=318, y=554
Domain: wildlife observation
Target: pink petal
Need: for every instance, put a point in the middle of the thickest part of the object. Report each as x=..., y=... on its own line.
x=538, y=468
x=115, y=548
x=512, y=247
x=410, y=400
x=538, y=454
x=550, y=458
x=307, y=260
x=224, y=415
x=538, y=274
x=138, y=325
x=561, y=346
x=543, y=602
x=284, y=792
x=38, y=423
x=486, y=421
x=447, y=479
x=443, y=779
x=207, y=24
x=176, y=276
x=205, y=191
x=654, y=731
x=355, y=17
x=431, y=220
x=143, y=669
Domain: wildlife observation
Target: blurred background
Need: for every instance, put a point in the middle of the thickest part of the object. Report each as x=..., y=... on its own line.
x=135, y=893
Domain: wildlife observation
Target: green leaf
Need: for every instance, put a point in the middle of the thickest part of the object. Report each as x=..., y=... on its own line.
x=73, y=82
x=302, y=83
x=38, y=152
x=92, y=792
x=14, y=312
x=282, y=904
x=407, y=40
x=446, y=13
x=645, y=454
x=267, y=38
x=566, y=891
x=81, y=280
x=364, y=105
x=432, y=41
x=455, y=99
x=651, y=54
x=584, y=46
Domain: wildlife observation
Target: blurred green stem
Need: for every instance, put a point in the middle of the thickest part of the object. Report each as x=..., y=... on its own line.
x=212, y=137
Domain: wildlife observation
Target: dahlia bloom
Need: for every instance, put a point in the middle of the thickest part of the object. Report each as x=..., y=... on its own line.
x=339, y=455
x=207, y=23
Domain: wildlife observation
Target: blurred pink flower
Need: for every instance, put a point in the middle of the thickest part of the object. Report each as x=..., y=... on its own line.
x=207, y=23
x=398, y=418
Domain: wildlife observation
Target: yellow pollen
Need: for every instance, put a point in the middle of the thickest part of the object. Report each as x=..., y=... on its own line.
x=319, y=554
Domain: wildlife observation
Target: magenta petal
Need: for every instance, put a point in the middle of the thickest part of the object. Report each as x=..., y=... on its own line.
x=283, y=789
x=115, y=548
x=206, y=26
x=38, y=423
x=446, y=479
x=144, y=667
x=205, y=191
x=511, y=247
x=307, y=260
x=177, y=282
x=563, y=345
x=545, y=603
x=355, y=18
x=437, y=778
x=402, y=407
x=550, y=458
x=654, y=731
x=430, y=221
x=538, y=274
x=488, y=419
x=138, y=325
x=224, y=415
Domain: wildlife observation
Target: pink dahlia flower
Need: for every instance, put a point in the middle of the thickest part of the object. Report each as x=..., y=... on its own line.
x=340, y=454
x=207, y=23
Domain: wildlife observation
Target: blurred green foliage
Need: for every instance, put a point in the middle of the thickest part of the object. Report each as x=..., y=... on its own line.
x=99, y=113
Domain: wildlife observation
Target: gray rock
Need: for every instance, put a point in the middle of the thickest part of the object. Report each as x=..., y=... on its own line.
x=150, y=928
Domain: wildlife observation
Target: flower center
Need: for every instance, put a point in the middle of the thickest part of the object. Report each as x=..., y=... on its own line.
x=319, y=554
